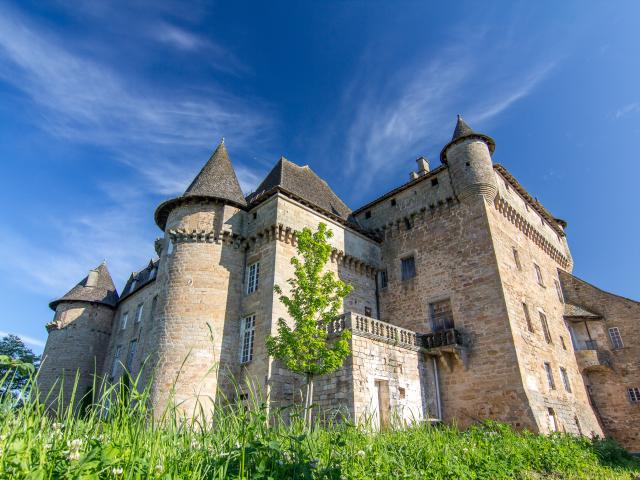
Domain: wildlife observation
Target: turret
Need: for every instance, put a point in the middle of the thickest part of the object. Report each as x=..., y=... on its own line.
x=199, y=282
x=468, y=156
x=78, y=337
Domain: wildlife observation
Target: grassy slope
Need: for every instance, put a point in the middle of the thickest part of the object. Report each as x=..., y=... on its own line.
x=238, y=444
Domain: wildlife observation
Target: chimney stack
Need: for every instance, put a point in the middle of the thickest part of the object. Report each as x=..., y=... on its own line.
x=413, y=175
x=423, y=165
x=92, y=279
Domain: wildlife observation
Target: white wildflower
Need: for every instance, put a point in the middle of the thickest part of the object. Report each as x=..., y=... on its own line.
x=159, y=468
x=75, y=444
x=74, y=455
x=361, y=453
x=195, y=443
x=57, y=426
x=117, y=471
x=237, y=444
x=47, y=446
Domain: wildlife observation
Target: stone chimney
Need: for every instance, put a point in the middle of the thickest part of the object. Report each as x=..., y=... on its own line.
x=423, y=165
x=92, y=279
x=413, y=176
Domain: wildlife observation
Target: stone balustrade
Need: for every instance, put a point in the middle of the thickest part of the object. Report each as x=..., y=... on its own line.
x=372, y=328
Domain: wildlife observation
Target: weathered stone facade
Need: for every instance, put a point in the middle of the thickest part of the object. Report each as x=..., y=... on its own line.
x=457, y=312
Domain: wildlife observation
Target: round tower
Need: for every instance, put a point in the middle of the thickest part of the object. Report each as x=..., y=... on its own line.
x=468, y=156
x=78, y=338
x=200, y=285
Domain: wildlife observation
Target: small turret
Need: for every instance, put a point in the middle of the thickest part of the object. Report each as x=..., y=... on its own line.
x=78, y=336
x=468, y=156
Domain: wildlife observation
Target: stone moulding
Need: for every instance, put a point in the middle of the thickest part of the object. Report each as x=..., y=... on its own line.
x=419, y=215
x=511, y=214
x=278, y=232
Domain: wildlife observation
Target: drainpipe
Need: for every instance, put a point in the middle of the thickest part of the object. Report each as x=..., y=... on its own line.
x=377, y=297
x=436, y=381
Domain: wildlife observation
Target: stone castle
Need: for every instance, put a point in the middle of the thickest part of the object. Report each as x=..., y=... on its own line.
x=464, y=307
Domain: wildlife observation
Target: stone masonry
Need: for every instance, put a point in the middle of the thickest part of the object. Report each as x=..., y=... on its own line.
x=463, y=307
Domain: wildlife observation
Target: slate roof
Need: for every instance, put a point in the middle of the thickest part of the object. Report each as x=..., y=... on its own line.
x=217, y=180
x=302, y=182
x=104, y=292
x=462, y=131
x=142, y=278
x=576, y=311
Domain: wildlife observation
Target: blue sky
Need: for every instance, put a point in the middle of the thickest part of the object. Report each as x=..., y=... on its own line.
x=107, y=108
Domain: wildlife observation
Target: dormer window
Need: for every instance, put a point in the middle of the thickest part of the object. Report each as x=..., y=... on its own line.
x=132, y=287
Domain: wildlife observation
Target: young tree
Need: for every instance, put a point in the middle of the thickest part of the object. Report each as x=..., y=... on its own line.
x=314, y=301
x=17, y=362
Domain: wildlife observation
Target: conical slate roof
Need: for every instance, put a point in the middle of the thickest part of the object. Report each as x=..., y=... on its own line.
x=103, y=291
x=302, y=182
x=462, y=131
x=217, y=180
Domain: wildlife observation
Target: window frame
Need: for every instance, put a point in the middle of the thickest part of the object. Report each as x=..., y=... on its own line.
x=527, y=317
x=247, y=338
x=253, y=277
x=124, y=320
x=559, y=290
x=516, y=258
x=539, y=277
x=115, y=361
x=131, y=354
x=633, y=394
x=139, y=313
x=412, y=259
x=550, y=380
x=384, y=279
x=564, y=375
x=545, y=327
x=615, y=337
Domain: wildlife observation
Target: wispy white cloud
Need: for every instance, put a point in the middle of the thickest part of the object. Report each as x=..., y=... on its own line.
x=415, y=110
x=163, y=136
x=627, y=109
x=36, y=342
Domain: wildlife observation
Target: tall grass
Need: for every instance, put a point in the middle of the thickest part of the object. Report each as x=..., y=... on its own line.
x=117, y=436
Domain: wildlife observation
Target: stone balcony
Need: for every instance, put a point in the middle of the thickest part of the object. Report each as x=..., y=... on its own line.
x=446, y=345
x=590, y=358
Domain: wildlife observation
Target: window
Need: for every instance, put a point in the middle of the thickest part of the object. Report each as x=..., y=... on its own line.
x=247, y=331
x=565, y=379
x=516, y=258
x=139, y=313
x=134, y=282
x=538, y=274
x=255, y=215
x=634, y=394
x=116, y=361
x=154, y=304
x=367, y=311
x=393, y=202
x=527, y=317
x=384, y=280
x=407, y=223
x=253, y=274
x=564, y=345
x=408, y=268
x=552, y=383
x=367, y=214
x=559, y=291
x=402, y=393
x=553, y=425
x=616, y=338
x=545, y=327
x=123, y=320
x=434, y=182
x=133, y=345
x=153, y=272
x=441, y=315
x=169, y=247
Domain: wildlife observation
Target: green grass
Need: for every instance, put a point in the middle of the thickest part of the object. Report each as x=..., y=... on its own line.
x=239, y=442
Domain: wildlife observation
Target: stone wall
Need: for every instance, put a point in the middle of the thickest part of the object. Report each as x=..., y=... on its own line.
x=520, y=285
x=615, y=370
x=77, y=344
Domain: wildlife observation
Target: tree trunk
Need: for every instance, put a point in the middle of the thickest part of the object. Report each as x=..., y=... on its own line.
x=308, y=401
